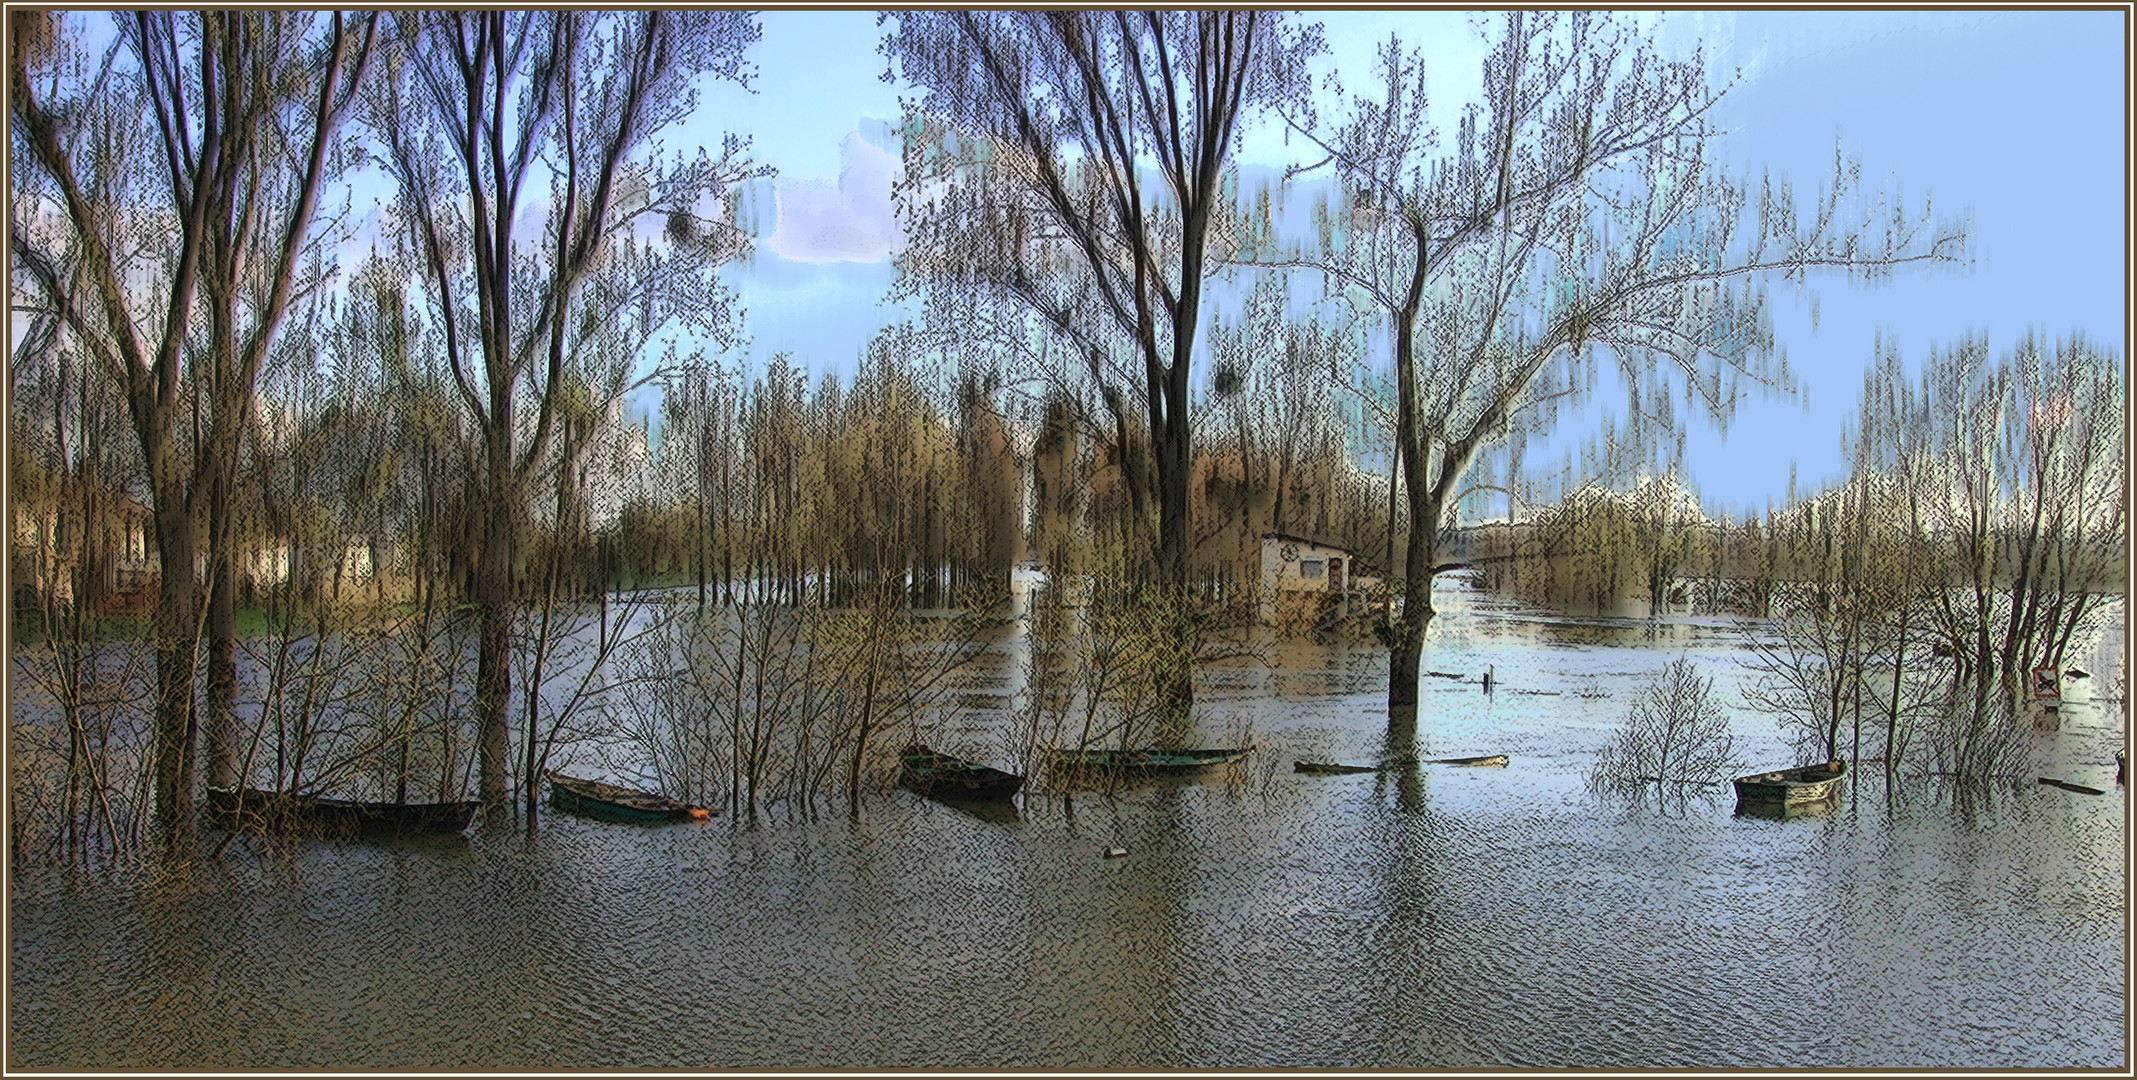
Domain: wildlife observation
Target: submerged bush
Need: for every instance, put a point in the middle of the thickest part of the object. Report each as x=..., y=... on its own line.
x=1676, y=733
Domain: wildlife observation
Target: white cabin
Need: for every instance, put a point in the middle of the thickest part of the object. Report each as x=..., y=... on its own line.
x=1291, y=565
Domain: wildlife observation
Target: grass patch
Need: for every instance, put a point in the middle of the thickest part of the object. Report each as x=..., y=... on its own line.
x=251, y=622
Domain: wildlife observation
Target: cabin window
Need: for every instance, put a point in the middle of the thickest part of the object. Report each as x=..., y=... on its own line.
x=1310, y=569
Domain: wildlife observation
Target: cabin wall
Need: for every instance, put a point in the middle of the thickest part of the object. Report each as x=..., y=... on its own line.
x=1283, y=578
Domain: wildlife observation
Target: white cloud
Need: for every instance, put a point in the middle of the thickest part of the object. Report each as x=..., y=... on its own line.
x=849, y=221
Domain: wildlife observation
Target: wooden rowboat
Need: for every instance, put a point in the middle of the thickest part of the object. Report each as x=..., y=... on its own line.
x=1481, y=759
x=254, y=808
x=1792, y=787
x=1785, y=811
x=932, y=773
x=1145, y=761
x=607, y=802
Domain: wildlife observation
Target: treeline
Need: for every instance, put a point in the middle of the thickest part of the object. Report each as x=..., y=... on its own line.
x=353, y=489
x=1979, y=534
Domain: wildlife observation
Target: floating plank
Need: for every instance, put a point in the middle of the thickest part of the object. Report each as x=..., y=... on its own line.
x=1324, y=768
x=2067, y=786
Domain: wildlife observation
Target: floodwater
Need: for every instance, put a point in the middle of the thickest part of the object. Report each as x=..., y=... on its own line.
x=1444, y=917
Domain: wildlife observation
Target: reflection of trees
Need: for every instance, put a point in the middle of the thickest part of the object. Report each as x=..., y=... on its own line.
x=1400, y=752
x=1093, y=676
x=754, y=704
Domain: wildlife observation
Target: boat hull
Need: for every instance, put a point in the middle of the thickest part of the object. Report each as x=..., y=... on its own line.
x=1145, y=762
x=2066, y=785
x=1785, y=811
x=931, y=773
x=607, y=802
x=253, y=808
x=1805, y=786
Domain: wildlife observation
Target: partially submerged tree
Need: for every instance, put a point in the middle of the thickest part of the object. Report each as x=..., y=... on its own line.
x=2012, y=474
x=163, y=206
x=1967, y=546
x=1074, y=165
x=2028, y=481
x=1579, y=220
x=477, y=106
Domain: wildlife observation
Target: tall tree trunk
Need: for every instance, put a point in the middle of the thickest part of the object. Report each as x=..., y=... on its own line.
x=1407, y=652
x=1406, y=657
x=1177, y=647
x=177, y=633
x=493, y=655
x=1173, y=444
x=222, y=636
x=1394, y=467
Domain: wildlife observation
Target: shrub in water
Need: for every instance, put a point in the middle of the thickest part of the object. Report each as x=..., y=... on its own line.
x=1676, y=733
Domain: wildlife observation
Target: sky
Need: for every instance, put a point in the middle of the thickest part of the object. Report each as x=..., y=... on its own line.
x=2016, y=118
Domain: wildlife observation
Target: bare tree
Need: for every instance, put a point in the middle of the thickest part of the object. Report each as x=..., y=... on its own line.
x=185, y=184
x=1033, y=185
x=1577, y=220
x=477, y=105
x=1927, y=543
x=1676, y=733
x=2024, y=483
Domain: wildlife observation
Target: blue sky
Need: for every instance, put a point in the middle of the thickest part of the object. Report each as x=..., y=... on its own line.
x=2017, y=117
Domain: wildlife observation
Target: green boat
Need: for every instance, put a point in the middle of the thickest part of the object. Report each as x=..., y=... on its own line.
x=607, y=802
x=1148, y=762
x=278, y=811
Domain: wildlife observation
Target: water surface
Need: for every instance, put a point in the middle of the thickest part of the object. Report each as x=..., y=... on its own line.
x=1440, y=917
